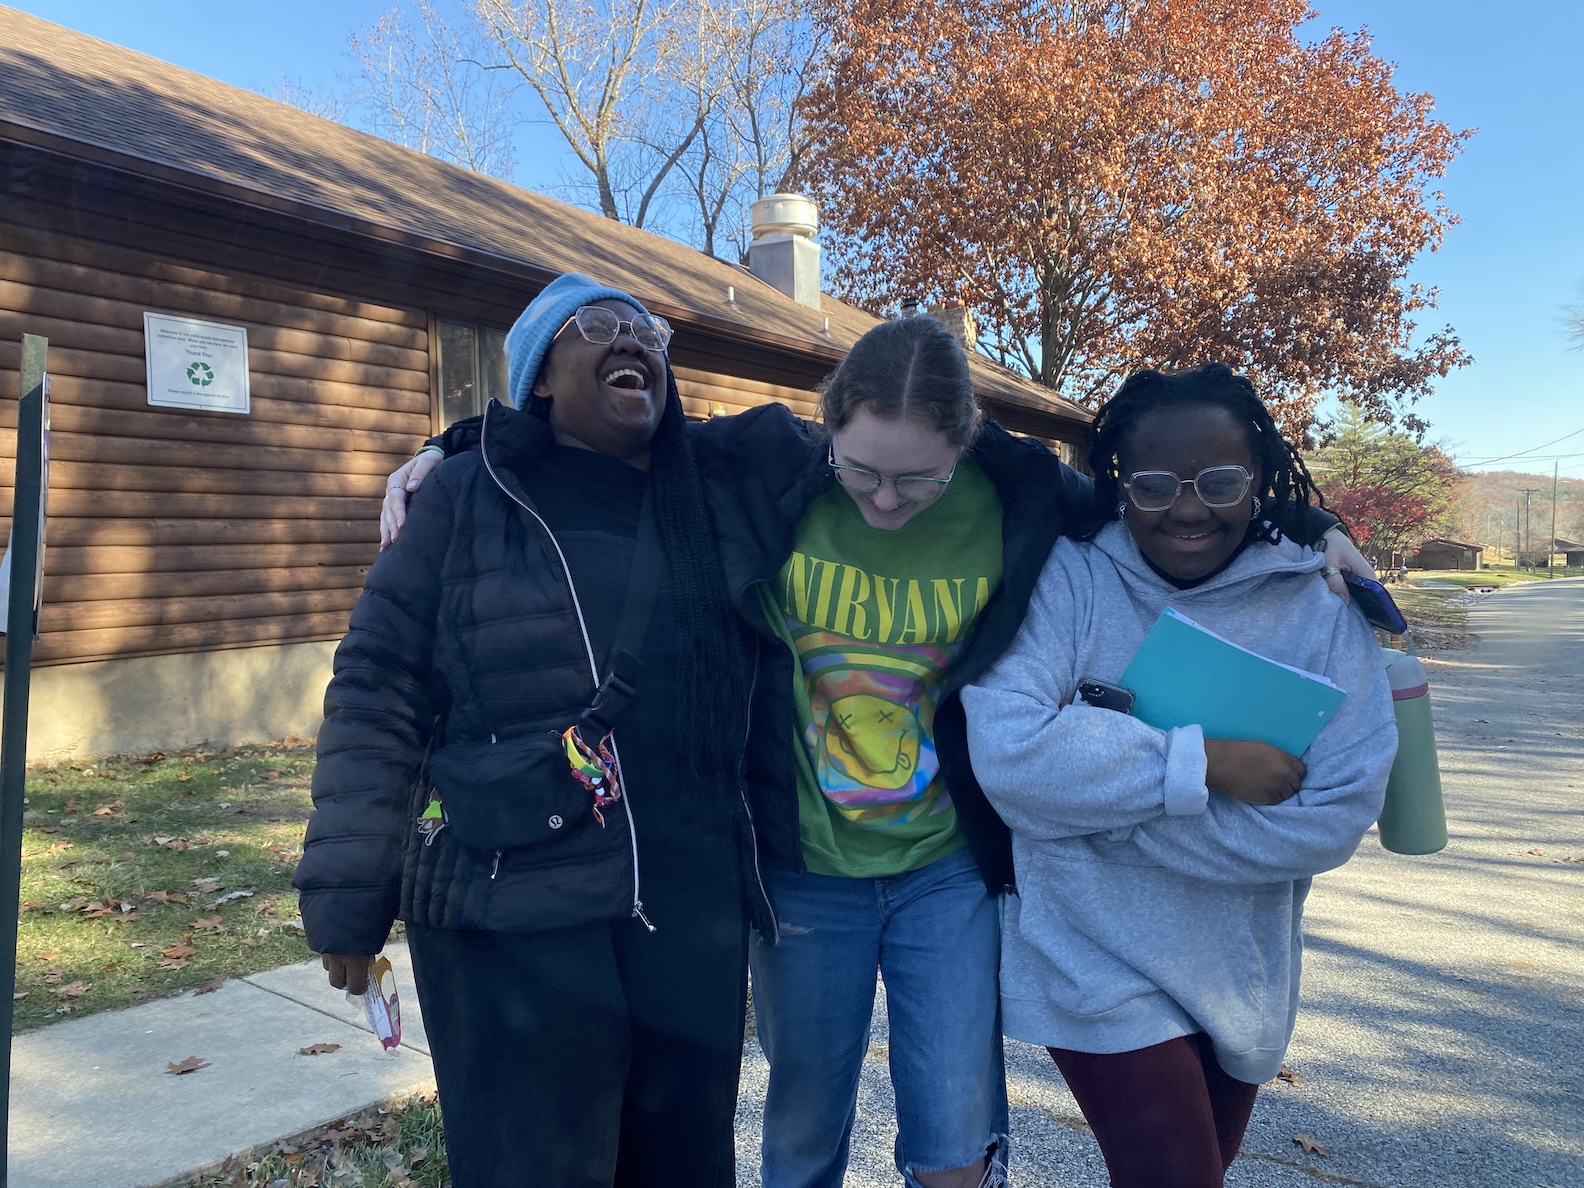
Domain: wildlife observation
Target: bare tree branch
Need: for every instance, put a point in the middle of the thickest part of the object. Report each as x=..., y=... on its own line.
x=305, y=98
x=425, y=86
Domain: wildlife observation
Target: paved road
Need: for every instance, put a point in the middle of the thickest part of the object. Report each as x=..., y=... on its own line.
x=1441, y=1041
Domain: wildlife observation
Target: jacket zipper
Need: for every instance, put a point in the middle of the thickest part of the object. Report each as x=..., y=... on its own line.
x=742, y=791
x=588, y=649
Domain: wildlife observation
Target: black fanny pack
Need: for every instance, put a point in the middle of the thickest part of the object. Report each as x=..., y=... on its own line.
x=525, y=790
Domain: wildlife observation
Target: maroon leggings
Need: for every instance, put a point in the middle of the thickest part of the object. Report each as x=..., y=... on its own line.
x=1165, y=1116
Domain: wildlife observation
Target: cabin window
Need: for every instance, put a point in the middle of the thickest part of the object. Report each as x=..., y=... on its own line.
x=472, y=368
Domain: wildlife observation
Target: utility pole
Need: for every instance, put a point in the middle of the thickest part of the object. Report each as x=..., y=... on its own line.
x=1528, y=536
x=1551, y=547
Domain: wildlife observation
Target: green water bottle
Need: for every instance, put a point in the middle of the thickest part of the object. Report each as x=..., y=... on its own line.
x=1413, y=820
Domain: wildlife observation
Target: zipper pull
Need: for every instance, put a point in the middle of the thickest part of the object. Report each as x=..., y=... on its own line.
x=495, y=870
x=639, y=913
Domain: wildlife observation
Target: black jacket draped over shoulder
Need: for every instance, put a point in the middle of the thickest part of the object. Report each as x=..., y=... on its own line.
x=764, y=467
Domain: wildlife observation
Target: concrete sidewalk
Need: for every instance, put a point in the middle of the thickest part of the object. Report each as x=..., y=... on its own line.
x=92, y=1105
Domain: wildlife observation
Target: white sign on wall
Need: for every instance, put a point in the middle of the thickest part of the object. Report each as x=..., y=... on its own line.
x=193, y=364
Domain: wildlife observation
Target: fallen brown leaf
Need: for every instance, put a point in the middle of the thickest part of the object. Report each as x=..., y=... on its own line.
x=1289, y=1076
x=152, y=758
x=168, y=897
x=204, y=923
x=206, y=885
x=1311, y=1146
x=173, y=963
x=181, y=1068
x=73, y=806
x=319, y=1049
x=178, y=951
x=210, y=987
x=75, y=990
x=75, y=904
x=107, y=906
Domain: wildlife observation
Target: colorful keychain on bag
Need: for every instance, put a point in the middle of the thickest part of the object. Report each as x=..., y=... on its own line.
x=594, y=768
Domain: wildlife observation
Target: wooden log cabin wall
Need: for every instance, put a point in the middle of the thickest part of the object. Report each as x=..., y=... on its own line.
x=201, y=564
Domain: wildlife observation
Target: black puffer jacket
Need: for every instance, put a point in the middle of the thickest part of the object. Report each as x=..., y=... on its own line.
x=466, y=631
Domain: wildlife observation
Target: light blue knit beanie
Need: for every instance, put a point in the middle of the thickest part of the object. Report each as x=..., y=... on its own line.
x=529, y=339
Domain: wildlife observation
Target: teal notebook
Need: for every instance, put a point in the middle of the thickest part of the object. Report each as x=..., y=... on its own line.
x=1184, y=674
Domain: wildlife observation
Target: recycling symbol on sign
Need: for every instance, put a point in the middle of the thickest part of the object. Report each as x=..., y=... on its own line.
x=201, y=374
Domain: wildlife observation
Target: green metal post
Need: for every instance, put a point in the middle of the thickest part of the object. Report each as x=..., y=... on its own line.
x=20, y=625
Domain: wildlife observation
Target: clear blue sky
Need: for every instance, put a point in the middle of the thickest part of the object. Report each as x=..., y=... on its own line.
x=1505, y=272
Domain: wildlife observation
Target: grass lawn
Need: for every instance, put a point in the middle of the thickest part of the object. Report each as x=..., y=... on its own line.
x=1504, y=575
x=399, y=1148
x=143, y=876
x=1431, y=611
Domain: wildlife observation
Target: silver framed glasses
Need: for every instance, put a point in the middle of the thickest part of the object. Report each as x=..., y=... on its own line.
x=1216, y=486
x=910, y=488
x=602, y=326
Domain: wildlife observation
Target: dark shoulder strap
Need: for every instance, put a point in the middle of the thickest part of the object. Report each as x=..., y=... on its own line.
x=624, y=663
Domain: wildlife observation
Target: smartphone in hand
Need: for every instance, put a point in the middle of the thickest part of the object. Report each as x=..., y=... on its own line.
x=1372, y=598
x=1105, y=695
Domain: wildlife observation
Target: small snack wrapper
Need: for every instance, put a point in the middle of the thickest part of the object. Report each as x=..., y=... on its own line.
x=380, y=1005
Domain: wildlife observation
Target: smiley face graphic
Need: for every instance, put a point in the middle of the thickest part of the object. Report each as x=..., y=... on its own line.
x=871, y=741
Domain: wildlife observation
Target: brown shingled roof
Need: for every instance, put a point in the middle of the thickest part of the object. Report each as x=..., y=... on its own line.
x=75, y=94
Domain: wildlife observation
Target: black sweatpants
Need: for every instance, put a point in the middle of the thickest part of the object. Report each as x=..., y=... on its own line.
x=596, y=1056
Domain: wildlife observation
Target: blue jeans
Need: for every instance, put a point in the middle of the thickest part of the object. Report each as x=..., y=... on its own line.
x=934, y=936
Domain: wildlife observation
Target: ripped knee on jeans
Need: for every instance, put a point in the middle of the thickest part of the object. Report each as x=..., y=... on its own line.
x=988, y=1171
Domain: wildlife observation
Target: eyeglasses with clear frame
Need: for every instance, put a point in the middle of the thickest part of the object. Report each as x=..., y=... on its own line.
x=909, y=488
x=1159, y=490
x=603, y=326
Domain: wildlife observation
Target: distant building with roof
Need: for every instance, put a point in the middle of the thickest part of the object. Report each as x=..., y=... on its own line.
x=1571, y=550
x=1445, y=553
x=201, y=563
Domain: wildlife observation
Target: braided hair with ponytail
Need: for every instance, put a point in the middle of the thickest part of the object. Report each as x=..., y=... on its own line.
x=1287, y=489
x=712, y=663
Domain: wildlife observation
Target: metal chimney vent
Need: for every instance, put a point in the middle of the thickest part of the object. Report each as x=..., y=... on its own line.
x=783, y=253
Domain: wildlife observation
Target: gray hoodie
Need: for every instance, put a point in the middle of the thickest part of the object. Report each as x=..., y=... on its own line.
x=1149, y=908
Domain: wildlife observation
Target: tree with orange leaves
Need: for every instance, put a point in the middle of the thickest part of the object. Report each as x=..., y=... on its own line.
x=1112, y=184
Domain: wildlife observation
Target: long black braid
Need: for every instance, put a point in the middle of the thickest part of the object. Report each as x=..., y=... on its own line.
x=1287, y=490
x=712, y=700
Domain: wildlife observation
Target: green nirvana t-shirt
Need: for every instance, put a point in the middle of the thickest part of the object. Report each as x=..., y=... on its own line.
x=876, y=618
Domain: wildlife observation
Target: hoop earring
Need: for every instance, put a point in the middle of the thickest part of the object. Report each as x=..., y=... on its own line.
x=1122, y=510
x=1257, y=506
